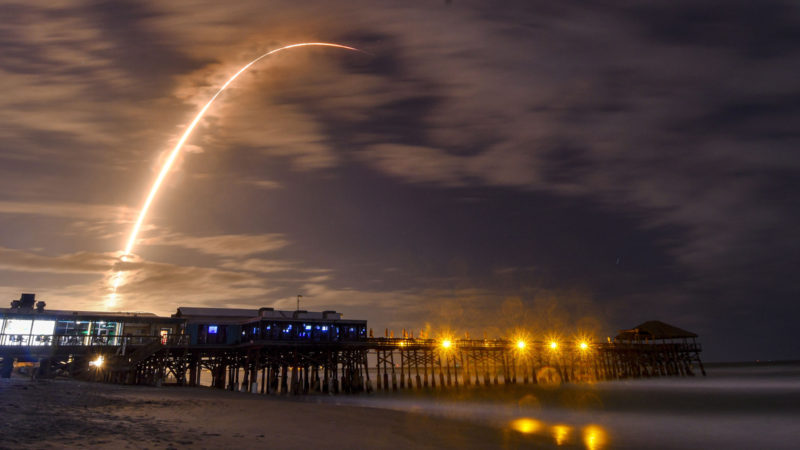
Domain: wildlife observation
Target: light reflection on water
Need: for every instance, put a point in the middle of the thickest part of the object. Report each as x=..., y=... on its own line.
x=718, y=411
x=526, y=425
x=561, y=434
x=595, y=437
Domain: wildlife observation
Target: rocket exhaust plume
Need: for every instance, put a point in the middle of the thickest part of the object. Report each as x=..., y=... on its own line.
x=116, y=279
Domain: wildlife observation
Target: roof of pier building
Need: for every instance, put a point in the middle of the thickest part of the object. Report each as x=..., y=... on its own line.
x=655, y=330
x=195, y=314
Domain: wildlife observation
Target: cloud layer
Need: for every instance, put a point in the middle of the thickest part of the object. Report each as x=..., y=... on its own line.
x=628, y=160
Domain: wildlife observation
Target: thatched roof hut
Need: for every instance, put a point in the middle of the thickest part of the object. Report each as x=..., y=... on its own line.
x=654, y=330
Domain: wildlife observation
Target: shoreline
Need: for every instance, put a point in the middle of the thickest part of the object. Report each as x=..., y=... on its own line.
x=731, y=408
x=73, y=414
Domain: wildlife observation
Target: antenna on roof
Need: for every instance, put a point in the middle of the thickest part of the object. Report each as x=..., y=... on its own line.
x=298, y=301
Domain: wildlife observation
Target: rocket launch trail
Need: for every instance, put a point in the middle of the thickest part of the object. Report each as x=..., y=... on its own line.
x=117, y=278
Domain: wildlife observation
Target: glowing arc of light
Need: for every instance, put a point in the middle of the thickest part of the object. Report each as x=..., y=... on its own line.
x=176, y=150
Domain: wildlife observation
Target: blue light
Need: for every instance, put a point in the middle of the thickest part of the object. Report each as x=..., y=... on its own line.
x=212, y=329
x=324, y=328
x=308, y=327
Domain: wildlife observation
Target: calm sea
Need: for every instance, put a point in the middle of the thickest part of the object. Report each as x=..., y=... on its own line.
x=737, y=406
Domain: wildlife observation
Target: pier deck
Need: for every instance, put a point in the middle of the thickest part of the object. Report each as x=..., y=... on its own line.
x=365, y=365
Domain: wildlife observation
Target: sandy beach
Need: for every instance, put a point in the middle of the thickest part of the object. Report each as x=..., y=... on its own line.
x=72, y=414
x=748, y=406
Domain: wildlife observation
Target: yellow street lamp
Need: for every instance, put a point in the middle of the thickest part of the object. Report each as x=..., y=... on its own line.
x=553, y=345
x=521, y=344
x=446, y=344
x=97, y=362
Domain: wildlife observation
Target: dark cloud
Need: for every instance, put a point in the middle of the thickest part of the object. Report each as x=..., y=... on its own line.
x=598, y=161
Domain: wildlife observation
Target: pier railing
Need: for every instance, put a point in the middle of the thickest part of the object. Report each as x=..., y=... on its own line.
x=81, y=340
x=302, y=366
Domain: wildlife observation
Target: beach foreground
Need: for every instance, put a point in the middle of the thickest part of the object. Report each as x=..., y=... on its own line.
x=72, y=414
x=755, y=406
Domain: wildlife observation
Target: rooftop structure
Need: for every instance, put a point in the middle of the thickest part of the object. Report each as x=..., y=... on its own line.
x=654, y=330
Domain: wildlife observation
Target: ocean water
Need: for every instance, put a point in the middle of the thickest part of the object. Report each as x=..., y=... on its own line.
x=737, y=406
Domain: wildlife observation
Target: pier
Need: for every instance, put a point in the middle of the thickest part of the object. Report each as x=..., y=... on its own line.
x=298, y=352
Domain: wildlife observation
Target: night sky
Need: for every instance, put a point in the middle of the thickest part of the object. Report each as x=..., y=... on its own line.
x=558, y=166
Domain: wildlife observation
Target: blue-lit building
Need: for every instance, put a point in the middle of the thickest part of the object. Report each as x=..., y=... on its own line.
x=325, y=326
x=29, y=324
x=230, y=326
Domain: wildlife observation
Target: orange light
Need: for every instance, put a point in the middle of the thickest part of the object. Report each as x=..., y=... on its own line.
x=521, y=344
x=446, y=343
x=561, y=434
x=525, y=425
x=595, y=437
x=553, y=345
x=583, y=345
x=97, y=362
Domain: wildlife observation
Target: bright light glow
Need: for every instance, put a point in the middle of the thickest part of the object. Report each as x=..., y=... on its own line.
x=117, y=279
x=18, y=326
x=43, y=327
x=553, y=345
x=16, y=332
x=41, y=331
x=526, y=425
x=583, y=345
x=97, y=362
x=561, y=434
x=595, y=437
x=521, y=344
x=446, y=343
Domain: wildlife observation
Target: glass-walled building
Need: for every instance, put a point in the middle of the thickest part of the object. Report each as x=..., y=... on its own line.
x=81, y=328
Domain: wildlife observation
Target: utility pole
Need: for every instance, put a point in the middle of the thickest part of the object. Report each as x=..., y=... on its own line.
x=298, y=301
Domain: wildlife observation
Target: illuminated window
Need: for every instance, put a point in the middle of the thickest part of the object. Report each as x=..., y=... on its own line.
x=164, y=335
x=17, y=331
x=18, y=326
x=212, y=329
x=308, y=327
x=324, y=328
x=42, y=332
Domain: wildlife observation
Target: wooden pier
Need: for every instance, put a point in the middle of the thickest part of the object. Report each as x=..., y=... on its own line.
x=269, y=351
x=380, y=364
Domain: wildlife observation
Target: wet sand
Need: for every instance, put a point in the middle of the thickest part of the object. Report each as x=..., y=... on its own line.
x=739, y=407
x=73, y=414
